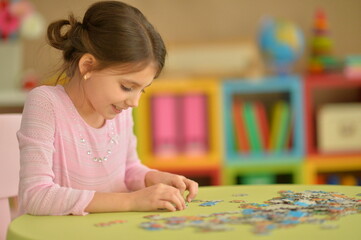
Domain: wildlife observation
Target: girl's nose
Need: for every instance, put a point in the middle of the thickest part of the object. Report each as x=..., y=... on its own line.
x=133, y=101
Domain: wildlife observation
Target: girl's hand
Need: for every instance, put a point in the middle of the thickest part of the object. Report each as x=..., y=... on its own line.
x=155, y=197
x=179, y=182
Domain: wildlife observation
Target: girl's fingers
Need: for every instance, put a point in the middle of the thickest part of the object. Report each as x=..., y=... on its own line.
x=180, y=185
x=167, y=205
x=183, y=203
x=173, y=196
x=178, y=201
x=192, y=187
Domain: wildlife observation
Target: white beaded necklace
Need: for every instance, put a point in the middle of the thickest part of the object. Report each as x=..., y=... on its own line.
x=113, y=141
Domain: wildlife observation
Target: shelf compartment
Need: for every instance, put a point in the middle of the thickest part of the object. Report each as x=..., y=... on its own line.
x=319, y=91
x=268, y=91
x=210, y=88
x=293, y=169
x=316, y=164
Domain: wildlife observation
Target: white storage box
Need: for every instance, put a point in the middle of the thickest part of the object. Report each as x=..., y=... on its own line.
x=339, y=127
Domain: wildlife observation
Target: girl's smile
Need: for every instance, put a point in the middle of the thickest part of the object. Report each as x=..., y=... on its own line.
x=116, y=109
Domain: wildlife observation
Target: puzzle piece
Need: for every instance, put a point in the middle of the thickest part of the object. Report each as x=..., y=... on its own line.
x=240, y=195
x=210, y=203
x=107, y=224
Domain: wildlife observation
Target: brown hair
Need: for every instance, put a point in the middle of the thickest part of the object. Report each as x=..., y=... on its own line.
x=115, y=33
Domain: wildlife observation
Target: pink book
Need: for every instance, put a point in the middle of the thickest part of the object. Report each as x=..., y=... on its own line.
x=165, y=125
x=194, y=121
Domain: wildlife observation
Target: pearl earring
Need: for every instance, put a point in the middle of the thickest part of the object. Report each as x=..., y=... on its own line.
x=85, y=77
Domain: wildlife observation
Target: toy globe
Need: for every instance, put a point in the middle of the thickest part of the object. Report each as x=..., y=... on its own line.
x=282, y=43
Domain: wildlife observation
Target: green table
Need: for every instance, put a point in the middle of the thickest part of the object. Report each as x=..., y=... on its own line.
x=127, y=225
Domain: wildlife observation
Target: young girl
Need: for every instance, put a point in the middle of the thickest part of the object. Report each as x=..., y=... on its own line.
x=78, y=150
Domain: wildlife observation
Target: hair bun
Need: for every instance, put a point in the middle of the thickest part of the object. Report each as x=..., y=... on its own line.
x=58, y=37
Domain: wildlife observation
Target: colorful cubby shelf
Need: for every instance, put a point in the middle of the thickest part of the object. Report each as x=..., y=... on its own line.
x=278, y=155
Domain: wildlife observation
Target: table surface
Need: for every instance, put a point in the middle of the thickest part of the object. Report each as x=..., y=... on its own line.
x=127, y=225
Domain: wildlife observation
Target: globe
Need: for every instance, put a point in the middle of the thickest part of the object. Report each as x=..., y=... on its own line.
x=282, y=43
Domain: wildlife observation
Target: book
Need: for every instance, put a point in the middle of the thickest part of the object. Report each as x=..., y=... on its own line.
x=252, y=130
x=333, y=179
x=194, y=123
x=241, y=141
x=280, y=121
x=348, y=179
x=290, y=134
x=263, y=124
x=165, y=125
x=321, y=179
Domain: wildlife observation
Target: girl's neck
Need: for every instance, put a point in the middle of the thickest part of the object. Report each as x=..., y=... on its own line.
x=76, y=93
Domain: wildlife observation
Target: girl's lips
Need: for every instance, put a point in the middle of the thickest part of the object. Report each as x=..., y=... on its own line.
x=116, y=110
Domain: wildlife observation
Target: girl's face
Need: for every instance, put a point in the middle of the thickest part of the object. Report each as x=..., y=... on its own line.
x=109, y=91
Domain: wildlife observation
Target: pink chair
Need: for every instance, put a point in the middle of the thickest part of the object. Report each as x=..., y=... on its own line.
x=9, y=167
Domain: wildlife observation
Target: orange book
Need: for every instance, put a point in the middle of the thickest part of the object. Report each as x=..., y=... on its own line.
x=239, y=125
x=321, y=179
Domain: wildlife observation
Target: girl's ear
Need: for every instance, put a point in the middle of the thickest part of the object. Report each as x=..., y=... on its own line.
x=86, y=63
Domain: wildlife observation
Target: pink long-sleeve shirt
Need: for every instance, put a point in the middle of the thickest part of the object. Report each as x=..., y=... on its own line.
x=58, y=174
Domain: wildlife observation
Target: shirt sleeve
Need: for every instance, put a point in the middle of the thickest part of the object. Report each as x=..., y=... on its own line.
x=38, y=194
x=135, y=171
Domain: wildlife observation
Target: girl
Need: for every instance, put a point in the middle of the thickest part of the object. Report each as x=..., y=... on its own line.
x=77, y=147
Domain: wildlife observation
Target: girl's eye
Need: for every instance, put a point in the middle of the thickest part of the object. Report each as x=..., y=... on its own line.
x=125, y=88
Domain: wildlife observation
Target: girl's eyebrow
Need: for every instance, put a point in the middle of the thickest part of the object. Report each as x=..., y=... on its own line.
x=136, y=84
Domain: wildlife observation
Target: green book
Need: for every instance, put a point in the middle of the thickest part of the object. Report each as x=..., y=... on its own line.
x=253, y=132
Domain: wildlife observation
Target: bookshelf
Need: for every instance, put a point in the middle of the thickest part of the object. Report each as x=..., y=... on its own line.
x=329, y=167
x=278, y=165
x=224, y=162
x=204, y=167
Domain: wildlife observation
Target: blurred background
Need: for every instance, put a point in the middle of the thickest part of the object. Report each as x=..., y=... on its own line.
x=204, y=21
x=293, y=67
